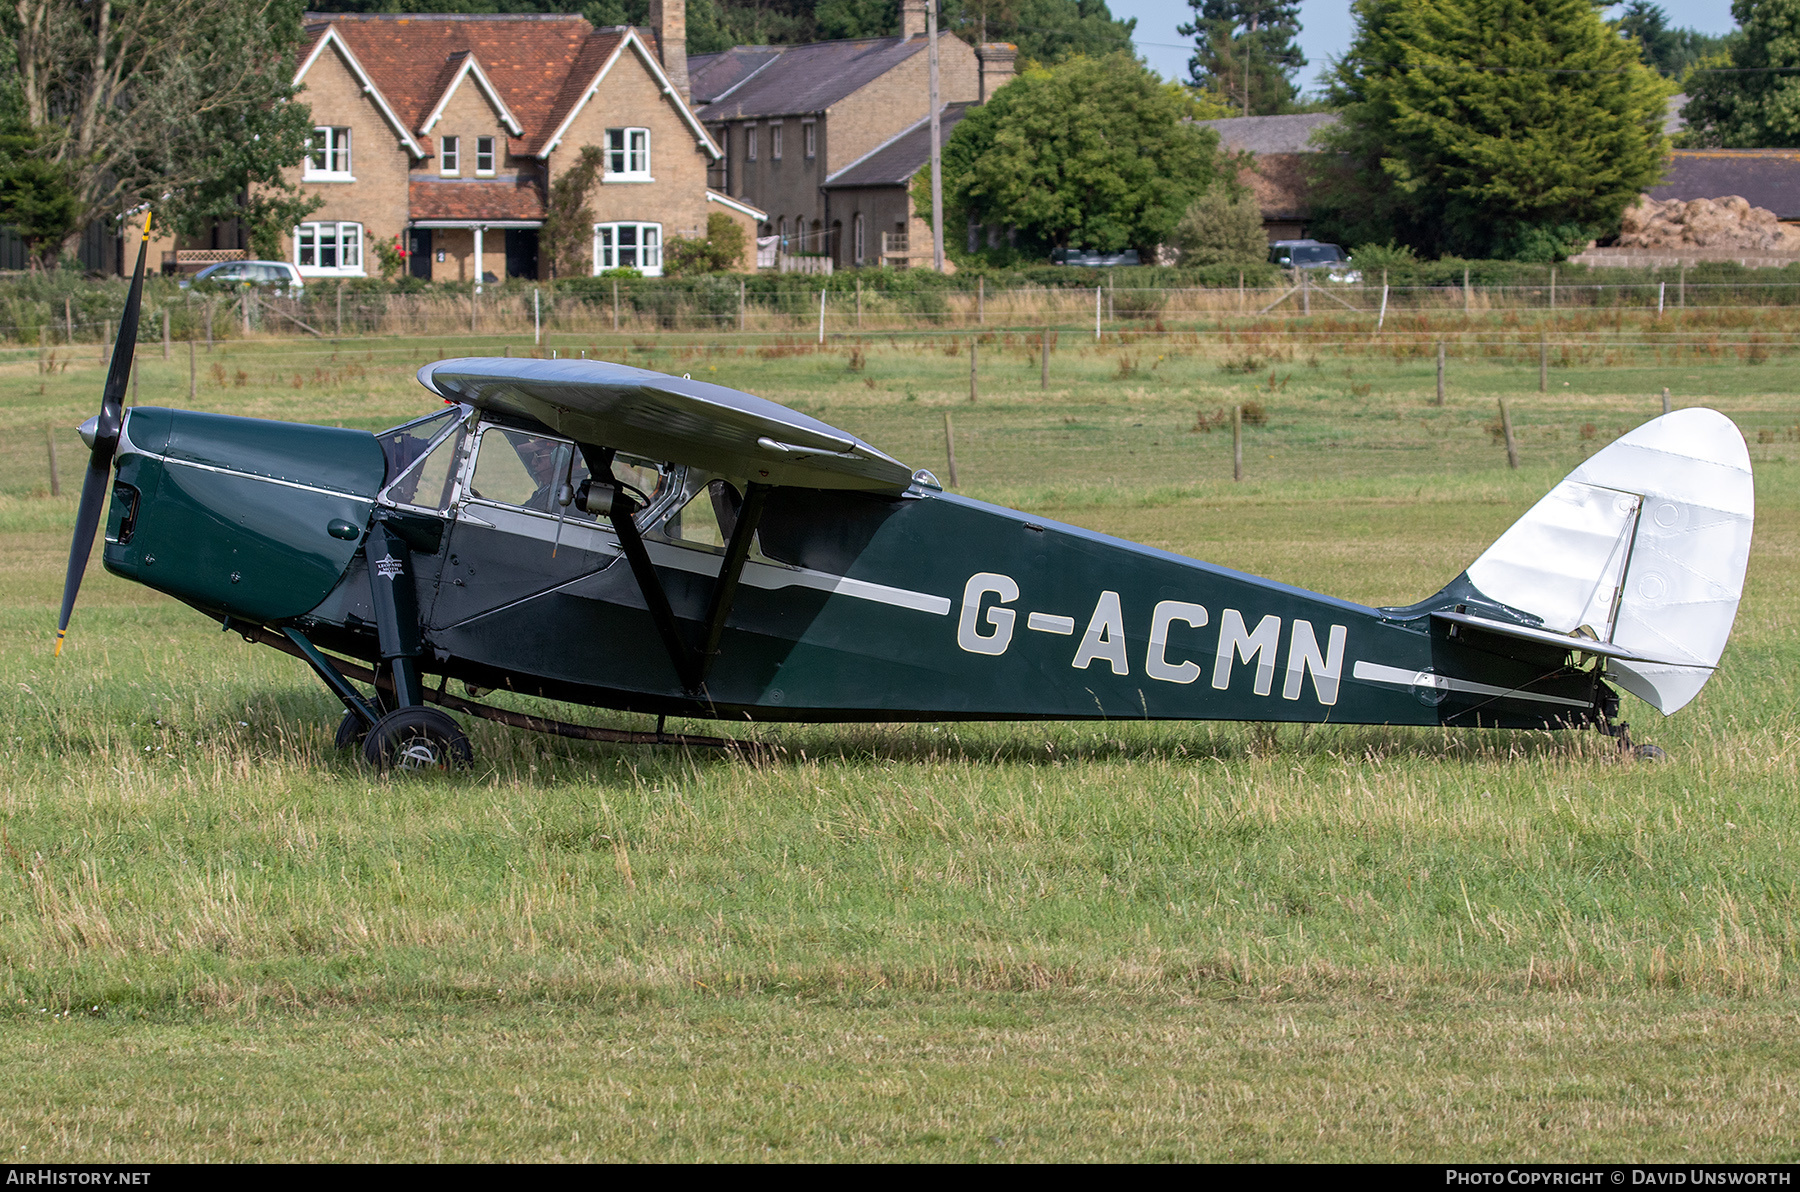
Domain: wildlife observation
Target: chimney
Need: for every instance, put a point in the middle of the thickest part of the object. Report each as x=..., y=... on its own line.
x=669, y=19
x=998, y=61
x=912, y=17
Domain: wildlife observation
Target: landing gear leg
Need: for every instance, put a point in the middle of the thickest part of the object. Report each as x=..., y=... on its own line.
x=411, y=736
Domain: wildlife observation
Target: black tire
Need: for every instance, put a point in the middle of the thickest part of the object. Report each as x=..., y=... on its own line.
x=350, y=731
x=420, y=739
x=1650, y=753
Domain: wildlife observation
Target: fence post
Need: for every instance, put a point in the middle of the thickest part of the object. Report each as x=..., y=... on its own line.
x=1553, y=287
x=740, y=304
x=950, y=447
x=1466, y=307
x=1665, y=399
x=1440, y=388
x=1044, y=360
x=244, y=308
x=981, y=300
x=1237, y=442
x=1382, y=317
x=1662, y=289
x=165, y=315
x=55, y=480
x=1681, y=287
x=1543, y=364
x=43, y=355
x=193, y=371
x=537, y=317
x=974, y=370
x=1512, y=448
x=821, y=314
x=1305, y=294
x=1096, y=314
x=615, y=305
x=858, y=303
x=68, y=320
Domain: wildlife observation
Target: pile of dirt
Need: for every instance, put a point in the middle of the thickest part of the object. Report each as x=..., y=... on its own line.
x=1727, y=223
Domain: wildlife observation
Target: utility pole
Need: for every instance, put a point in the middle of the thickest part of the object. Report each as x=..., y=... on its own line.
x=937, y=140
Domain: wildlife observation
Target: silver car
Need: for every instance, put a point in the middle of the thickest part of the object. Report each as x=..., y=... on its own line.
x=1314, y=255
x=261, y=274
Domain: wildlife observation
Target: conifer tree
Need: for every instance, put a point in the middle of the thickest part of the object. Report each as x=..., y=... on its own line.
x=1495, y=128
x=1245, y=53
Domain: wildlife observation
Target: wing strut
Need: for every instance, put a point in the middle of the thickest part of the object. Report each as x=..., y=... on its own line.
x=725, y=589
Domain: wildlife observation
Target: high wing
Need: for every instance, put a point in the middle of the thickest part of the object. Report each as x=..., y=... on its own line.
x=674, y=418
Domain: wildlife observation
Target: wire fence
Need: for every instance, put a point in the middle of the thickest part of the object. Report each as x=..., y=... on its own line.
x=1303, y=307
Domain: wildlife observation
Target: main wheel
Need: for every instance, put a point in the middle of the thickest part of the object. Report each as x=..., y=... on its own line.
x=350, y=732
x=1650, y=753
x=417, y=739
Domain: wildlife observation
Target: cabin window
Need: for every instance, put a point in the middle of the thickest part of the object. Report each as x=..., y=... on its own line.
x=328, y=155
x=450, y=155
x=426, y=484
x=628, y=246
x=708, y=518
x=329, y=249
x=522, y=469
x=484, y=155
x=628, y=155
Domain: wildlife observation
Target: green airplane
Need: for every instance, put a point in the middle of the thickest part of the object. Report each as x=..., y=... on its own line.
x=609, y=536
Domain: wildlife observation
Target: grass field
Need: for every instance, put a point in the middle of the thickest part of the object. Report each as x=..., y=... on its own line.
x=219, y=939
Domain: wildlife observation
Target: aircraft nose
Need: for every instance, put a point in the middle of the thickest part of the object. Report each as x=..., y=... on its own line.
x=88, y=430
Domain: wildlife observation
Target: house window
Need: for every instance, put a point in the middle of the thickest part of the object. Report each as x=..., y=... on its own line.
x=450, y=156
x=628, y=154
x=628, y=246
x=328, y=154
x=810, y=133
x=750, y=142
x=329, y=249
x=774, y=142
x=484, y=155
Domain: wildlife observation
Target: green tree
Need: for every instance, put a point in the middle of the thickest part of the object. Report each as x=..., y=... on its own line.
x=720, y=251
x=1093, y=153
x=36, y=200
x=1223, y=226
x=567, y=238
x=1497, y=128
x=1752, y=99
x=1670, y=52
x=1245, y=53
x=185, y=105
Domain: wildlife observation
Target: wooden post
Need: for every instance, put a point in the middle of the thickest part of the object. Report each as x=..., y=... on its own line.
x=858, y=303
x=1305, y=293
x=55, y=480
x=1681, y=287
x=1466, y=289
x=981, y=300
x=340, y=310
x=193, y=372
x=1440, y=389
x=537, y=316
x=821, y=314
x=950, y=447
x=974, y=370
x=165, y=315
x=1237, y=442
x=244, y=306
x=1044, y=360
x=43, y=356
x=507, y=351
x=1543, y=364
x=1096, y=314
x=1665, y=399
x=1512, y=448
x=68, y=321
x=615, y=306
x=1553, y=287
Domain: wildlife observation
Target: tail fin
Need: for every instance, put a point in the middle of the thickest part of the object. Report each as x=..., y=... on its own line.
x=1643, y=547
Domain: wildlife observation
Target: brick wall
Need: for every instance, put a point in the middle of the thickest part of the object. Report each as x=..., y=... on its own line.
x=469, y=114
x=899, y=99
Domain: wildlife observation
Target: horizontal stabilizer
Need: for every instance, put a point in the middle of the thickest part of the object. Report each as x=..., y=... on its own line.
x=1551, y=638
x=670, y=418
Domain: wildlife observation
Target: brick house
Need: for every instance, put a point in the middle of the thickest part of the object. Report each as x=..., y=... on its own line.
x=1280, y=173
x=792, y=118
x=446, y=130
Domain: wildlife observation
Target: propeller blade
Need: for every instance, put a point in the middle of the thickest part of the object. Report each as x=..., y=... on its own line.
x=103, y=440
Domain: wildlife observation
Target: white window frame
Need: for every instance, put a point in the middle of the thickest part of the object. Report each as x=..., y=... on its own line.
x=629, y=148
x=482, y=171
x=450, y=156
x=336, y=151
x=809, y=130
x=774, y=140
x=609, y=252
x=342, y=240
x=749, y=142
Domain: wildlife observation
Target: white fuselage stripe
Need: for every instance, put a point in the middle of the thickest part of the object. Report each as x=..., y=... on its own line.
x=1375, y=672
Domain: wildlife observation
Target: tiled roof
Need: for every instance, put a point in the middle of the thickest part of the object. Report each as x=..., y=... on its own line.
x=1271, y=134
x=458, y=198
x=895, y=161
x=1766, y=177
x=804, y=78
x=539, y=64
